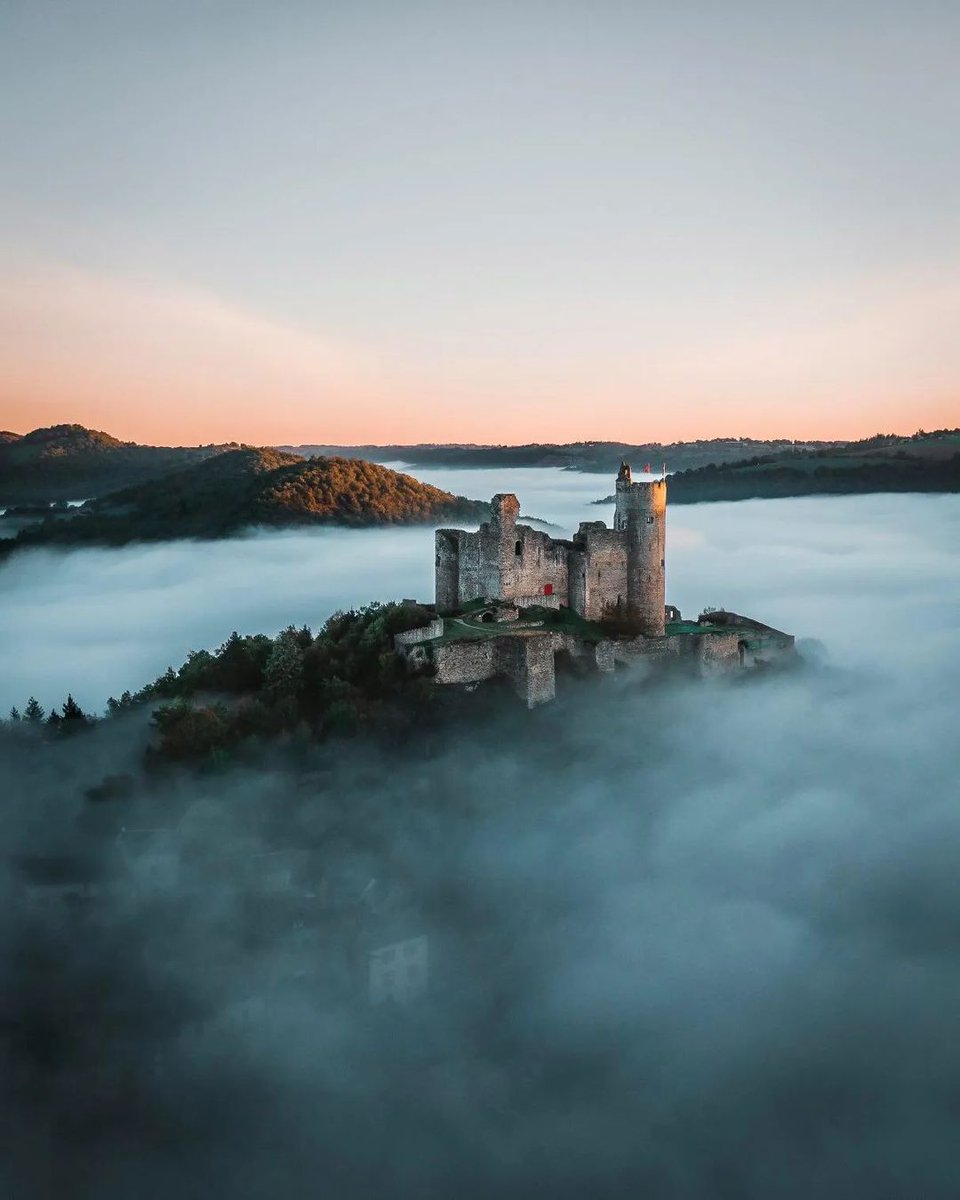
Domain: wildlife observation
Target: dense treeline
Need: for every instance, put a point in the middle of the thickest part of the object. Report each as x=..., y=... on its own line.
x=250, y=487
x=70, y=462
x=575, y=456
x=766, y=479
x=345, y=679
x=924, y=462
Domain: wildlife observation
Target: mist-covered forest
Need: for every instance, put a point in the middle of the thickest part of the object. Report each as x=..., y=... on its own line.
x=709, y=952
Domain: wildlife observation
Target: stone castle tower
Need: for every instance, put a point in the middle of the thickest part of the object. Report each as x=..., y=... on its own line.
x=599, y=569
x=641, y=514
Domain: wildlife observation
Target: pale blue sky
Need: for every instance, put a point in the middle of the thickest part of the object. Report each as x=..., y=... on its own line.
x=613, y=219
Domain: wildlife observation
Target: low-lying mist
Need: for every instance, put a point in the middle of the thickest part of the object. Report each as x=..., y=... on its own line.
x=868, y=575
x=685, y=940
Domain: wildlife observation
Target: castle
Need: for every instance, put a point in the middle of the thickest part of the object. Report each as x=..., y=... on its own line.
x=511, y=600
x=600, y=569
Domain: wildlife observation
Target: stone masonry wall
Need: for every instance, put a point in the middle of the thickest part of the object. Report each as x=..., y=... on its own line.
x=465, y=662
x=424, y=634
x=718, y=653
x=534, y=562
x=601, y=566
x=526, y=661
x=529, y=665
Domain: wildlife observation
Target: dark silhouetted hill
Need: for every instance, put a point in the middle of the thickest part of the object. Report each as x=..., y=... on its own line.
x=70, y=462
x=253, y=487
x=601, y=457
x=923, y=462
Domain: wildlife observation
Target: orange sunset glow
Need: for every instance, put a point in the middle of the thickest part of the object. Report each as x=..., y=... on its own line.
x=321, y=244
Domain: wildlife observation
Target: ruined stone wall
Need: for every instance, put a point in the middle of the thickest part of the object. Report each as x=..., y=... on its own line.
x=758, y=643
x=425, y=632
x=465, y=662
x=528, y=663
x=653, y=650
x=702, y=654
x=553, y=601
x=601, y=566
x=598, y=569
x=533, y=563
x=501, y=560
x=446, y=567
x=717, y=653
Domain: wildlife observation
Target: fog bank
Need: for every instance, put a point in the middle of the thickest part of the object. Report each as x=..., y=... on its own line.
x=688, y=941
x=868, y=575
x=684, y=940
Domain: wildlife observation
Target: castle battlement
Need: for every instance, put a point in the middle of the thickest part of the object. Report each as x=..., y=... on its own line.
x=600, y=569
x=510, y=598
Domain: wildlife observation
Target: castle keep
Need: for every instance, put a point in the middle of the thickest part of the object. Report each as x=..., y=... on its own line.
x=599, y=570
x=510, y=600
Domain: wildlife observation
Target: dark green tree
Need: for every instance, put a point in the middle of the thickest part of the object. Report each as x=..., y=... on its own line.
x=283, y=670
x=14, y=713
x=71, y=710
x=34, y=711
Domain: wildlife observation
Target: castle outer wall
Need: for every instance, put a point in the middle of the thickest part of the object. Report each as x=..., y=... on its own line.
x=527, y=660
x=600, y=567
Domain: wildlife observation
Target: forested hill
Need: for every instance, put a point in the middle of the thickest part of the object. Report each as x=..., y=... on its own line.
x=70, y=462
x=602, y=457
x=925, y=462
x=249, y=487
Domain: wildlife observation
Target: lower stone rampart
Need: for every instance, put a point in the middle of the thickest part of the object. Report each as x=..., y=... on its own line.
x=465, y=662
x=424, y=634
x=539, y=600
x=526, y=656
x=528, y=662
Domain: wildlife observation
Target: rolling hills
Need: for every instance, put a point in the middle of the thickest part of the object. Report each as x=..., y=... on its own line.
x=595, y=456
x=251, y=487
x=923, y=462
x=70, y=462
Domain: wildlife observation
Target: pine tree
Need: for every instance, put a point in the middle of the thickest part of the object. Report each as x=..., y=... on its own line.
x=14, y=713
x=72, y=711
x=34, y=711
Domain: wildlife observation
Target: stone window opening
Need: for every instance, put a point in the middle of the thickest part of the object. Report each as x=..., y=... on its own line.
x=518, y=549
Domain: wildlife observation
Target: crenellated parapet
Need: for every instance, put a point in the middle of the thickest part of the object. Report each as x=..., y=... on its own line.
x=623, y=568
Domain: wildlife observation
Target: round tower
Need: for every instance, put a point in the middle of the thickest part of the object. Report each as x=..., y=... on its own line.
x=641, y=514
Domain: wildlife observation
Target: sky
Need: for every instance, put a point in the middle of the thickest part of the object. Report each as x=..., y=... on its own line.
x=399, y=222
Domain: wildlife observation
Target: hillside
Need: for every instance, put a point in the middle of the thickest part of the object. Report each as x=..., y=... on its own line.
x=250, y=487
x=925, y=462
x=70, y=462
x=601, y=457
